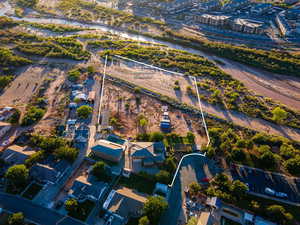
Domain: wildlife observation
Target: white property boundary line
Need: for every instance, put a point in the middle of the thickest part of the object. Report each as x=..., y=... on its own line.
x=151, y=66
x=180, y=162
x=200, y=107
x=102, y=89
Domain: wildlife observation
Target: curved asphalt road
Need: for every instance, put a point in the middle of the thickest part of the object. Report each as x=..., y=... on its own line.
x=35, y=213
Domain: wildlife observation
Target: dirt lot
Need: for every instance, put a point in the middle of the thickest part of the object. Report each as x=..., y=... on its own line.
x=56, y=102
x=116, y=99
x=26, y=84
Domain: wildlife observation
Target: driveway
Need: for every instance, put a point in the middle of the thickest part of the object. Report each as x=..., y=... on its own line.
x=34, y=212
x=193, y=168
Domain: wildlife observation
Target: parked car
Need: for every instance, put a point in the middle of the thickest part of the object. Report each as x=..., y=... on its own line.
x=270, y=191
x=281, y=195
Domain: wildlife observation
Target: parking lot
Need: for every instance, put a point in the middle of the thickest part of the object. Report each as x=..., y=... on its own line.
x=258, y=180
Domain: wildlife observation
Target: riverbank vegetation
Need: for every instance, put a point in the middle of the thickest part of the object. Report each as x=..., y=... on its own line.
x=60, y=47
x=274, y=61
x=215, y=86
x=58, y=28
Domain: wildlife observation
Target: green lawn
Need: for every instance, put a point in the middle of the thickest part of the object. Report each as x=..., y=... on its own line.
x=32, y=191
x=138, y=183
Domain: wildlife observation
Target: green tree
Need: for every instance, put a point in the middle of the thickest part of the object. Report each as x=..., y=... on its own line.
x=34, y=158
x=5, y=80
x=74, y=75
x=33, y=115
x=27, y=3
x=100, y=170
x=238, y=154
x=194, y=188
x=17, y=175
x=287, y=151
x=72, y=206
x=255, y=206
x=293, y=165
x=191, y=137
x=238, y=189
x=84, y=111
x=144, y=221
x=163, y=177
x=154, y=208
x=279, y=114
x=67, y=153
x=268, y=160
x=16, y=219
x=156, y=136
x=192, y=221
x=91, y=69
x=279, y=214
x=170, y=164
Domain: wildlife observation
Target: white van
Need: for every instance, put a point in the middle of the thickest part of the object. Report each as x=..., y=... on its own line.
x=269, y=191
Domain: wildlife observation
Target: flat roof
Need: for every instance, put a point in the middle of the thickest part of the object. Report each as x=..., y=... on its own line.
x=109, y=144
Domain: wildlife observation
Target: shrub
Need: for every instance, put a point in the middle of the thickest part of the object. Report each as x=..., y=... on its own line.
x=33, y=115
x=84, y=111
x=163, y=177
x=154, y=208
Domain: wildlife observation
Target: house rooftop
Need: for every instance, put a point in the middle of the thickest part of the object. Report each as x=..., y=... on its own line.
x=109, y=144
x=125, y=202
x=16, y=154
x=82, y=189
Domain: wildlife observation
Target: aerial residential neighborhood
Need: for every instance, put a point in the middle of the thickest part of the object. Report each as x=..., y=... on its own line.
x=138, y=112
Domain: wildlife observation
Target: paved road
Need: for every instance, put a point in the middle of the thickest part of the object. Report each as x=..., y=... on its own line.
x=35, y=212
x=258, y=180
x=192, y=168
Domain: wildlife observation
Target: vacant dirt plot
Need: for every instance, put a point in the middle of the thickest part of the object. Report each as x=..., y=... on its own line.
x=127, y=107
x=25, y=85
x=55, y=96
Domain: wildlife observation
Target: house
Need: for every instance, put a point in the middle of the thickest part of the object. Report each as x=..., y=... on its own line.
x=144, y=156
x=108, y=150
x=83, y=190
x=6, y=113
x=49, y=172
x=16, y=154
x=125, y=203
x=4, y=128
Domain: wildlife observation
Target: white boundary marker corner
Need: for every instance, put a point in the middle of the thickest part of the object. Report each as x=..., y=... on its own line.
x=200, y=107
